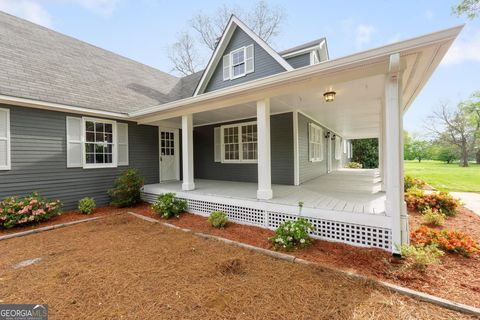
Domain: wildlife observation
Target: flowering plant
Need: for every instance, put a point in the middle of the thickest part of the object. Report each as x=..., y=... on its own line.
x=16, y=211
x=168, y=206
x=446, y=240
x=292, y=234
x=411, y=182
x=419, y=201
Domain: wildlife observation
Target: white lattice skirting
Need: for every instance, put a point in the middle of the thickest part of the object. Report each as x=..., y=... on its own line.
x=252, y=213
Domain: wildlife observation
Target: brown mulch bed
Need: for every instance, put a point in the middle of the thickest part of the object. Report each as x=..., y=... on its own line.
x=123, y=267
x=65, y=217
x=457, y=278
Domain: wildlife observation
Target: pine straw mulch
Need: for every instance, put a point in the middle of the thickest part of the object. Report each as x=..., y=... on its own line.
x=64, y=217
x=123, y=267
x=456, y=278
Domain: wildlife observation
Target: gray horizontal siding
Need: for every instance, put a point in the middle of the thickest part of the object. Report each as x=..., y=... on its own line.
x=309, y=170
x=281, y=128
x=38, y=153
x=300, y=60
x=264, y=64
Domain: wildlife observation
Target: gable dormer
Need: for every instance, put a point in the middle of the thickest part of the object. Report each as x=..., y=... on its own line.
x=239, y=57
x=307, y=54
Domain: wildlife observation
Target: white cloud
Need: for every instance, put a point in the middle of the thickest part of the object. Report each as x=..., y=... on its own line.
x=429, y=14
x=464, y=49
x=27, y=9
x=363, y=34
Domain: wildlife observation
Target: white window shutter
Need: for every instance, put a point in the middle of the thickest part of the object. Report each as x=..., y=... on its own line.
x=4, y=139
x=249, y=56
x=338, y=148
x=310, y=140
x=122, y=140
x=217, y=144
x=321, y=139
x=74, y=142
x=226, y=67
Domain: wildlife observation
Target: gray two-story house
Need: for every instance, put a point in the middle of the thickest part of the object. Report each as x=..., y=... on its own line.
x=253, y=134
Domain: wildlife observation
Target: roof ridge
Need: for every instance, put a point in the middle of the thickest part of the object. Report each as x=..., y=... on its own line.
x=86, y=43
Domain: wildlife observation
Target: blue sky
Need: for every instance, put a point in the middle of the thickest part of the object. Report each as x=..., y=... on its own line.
x=144, y=29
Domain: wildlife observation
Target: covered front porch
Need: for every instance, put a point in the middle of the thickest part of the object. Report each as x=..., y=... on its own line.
x=285, y=144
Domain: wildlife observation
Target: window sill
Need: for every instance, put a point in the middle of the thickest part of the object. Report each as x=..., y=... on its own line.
x=240, y=162
x=316, y=160
x=100, y=166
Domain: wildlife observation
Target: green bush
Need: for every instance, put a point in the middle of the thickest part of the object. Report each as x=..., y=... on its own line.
x=433, y=218
x=168, y=206
x=412, y=183
x=354, y=165
x=126, y=190
x=419, y=257
x=218, y=219
x=292, y=234
x=15, y=211
x=86, y=205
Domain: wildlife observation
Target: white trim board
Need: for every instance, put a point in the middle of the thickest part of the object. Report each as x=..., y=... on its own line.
x=222, y=44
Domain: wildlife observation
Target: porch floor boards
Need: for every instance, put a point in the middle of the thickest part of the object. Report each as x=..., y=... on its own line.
x=345, y=190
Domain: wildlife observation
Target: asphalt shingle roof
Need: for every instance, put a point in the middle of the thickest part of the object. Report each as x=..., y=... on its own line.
x=41, y=64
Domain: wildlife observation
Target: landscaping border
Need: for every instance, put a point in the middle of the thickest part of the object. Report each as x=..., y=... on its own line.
x=47, y=228
x=445, y=303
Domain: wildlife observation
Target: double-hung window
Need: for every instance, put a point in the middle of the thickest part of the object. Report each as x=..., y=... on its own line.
x=100, y=144
x=96, y=143
x=239, y=143
x=238, y=63
x=315, y=145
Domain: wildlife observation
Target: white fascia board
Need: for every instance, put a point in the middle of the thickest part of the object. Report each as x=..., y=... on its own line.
x=344, y=63
x=301, y=51
x=224, y=40
x=30, y=103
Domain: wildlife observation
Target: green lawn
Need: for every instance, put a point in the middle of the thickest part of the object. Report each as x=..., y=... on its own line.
x=447, y=177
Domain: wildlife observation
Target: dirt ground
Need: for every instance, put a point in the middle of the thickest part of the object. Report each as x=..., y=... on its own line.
x=124, y=268
x=456, y=278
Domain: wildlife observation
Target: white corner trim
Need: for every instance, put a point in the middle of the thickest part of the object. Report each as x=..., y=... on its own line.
x=222, y=44
x=8, y=166
x=296, y=153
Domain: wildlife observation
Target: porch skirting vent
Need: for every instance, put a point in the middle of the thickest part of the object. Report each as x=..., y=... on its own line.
x=325, y=229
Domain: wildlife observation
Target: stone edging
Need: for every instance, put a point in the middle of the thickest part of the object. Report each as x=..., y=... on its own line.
x=47, y=228
x=445, y=303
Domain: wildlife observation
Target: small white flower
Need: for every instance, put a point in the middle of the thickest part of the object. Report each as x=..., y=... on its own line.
x=302, y=240
x=290, y=238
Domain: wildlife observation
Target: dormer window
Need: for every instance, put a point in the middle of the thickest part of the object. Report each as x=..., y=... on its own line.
x=238, y=63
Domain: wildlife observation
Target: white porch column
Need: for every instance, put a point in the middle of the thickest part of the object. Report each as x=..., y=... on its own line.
x=381, y=147
x=187, y=152
x=395, y=204
x=263, y=144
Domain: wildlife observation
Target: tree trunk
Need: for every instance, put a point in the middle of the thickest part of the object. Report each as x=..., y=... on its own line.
x=464, y=159
x=478, y=156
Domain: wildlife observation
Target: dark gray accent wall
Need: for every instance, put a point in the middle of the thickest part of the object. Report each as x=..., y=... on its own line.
x=281, y=135
x=39, y=159
x=265, y=64
x=300, y=60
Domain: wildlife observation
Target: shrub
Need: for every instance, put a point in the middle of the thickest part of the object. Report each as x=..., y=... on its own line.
x=126, y=190
x=446, y=240
x=354, y=165
x=292, y=234
x=168, y=206
x=433, y=218
x=218, y=219
x=410, y=182
x=86, y=205
x=419, y=257
x=419, y=201
x=16, y=211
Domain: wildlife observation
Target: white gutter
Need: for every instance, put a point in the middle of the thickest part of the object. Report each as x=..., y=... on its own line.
x=349, y=61
x=31, y=103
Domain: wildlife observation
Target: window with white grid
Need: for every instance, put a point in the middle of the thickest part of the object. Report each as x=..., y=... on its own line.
x=315, y=145
x=239, y=143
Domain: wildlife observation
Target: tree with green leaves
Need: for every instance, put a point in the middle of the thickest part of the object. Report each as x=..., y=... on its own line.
x=365, y=151
x=471, y=8
x=472, y=109
x=420, y=149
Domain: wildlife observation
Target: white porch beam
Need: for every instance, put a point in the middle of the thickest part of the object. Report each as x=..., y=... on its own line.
x=187, y=152
x=395, y=204
x=263, y=144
